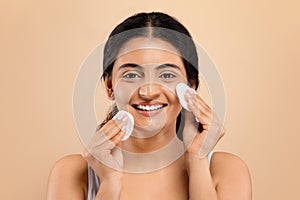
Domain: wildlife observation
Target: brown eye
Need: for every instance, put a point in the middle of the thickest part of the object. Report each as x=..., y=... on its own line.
x=167, y=75
x=131, y=75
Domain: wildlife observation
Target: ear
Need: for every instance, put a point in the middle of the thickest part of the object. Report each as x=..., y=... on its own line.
x=108, y=87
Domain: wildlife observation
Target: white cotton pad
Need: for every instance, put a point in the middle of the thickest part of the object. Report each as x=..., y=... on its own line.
x=128, y=119
x=181, y=89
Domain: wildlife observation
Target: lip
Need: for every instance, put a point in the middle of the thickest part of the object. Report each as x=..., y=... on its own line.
x=150, y=103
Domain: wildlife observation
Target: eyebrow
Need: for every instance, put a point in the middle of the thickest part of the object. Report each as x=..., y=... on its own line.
x=162, y=66
x=167, y=65
x=132, y=65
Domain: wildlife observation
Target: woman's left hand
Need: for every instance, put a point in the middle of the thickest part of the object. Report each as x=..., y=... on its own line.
x=200, y=141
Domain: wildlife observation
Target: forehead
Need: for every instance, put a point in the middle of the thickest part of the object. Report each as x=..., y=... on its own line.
x=146, y=51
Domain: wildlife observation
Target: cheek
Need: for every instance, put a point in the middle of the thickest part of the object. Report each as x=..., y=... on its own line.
x=176, y=107
x=123, y=92
x=172, y=99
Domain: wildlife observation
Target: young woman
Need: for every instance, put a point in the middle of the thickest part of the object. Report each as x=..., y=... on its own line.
x=168, y=155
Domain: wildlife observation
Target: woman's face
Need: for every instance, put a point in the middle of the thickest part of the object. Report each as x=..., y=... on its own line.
x=144, y=78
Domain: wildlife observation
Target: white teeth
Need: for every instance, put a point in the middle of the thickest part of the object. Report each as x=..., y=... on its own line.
x=149, y=108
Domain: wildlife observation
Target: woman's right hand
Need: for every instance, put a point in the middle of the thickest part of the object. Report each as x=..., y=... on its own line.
x=104, y=153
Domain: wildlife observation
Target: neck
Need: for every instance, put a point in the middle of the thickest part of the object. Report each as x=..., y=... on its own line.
x=150, y=144
x=151, y=154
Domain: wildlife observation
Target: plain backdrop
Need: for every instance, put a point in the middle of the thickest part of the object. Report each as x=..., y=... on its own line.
x=255, y=45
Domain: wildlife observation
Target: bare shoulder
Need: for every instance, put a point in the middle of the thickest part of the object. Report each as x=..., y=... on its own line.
x=73, y=165
x=225, y=162
x=68, y=178
x=231, y=176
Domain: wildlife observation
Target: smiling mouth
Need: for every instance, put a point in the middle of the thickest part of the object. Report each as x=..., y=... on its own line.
x=149, y=107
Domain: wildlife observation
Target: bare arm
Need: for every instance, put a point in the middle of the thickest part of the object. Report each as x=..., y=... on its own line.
x=68, y=179
x=231, y=176
x=201, y=184
x=227, y=179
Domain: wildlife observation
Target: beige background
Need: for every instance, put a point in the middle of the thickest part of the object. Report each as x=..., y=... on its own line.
x=255, y=45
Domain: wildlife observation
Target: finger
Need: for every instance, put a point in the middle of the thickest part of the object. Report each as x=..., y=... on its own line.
x=100, y=142
x=198, y=103
x=111, y=128
x=190, y=128
x=197, y=97
x=202, y=116
x=204, y=108
x=212, y=137
x=107, y=132
x=118, y=137
x=113, y=142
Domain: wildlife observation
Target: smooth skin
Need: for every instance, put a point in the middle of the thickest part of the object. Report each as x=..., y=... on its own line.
x=229, y=175
x=190, y=176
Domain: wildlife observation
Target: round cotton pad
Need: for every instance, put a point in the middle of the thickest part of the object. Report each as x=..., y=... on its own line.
x=181, y=89
x=129, y=122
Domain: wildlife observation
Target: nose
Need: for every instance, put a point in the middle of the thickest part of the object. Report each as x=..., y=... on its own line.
x=149, y=91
